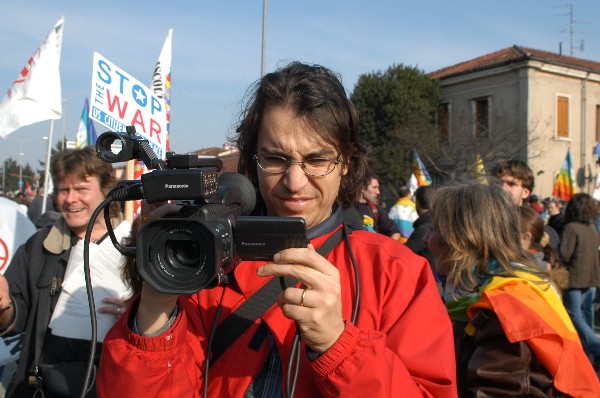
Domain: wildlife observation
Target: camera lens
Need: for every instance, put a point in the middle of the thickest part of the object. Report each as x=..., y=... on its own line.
x=186, y=253
x=179, y=255
x=184, y=250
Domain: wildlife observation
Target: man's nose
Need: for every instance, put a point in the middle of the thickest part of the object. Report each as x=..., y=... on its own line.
x=71, y=195
x=295, y=177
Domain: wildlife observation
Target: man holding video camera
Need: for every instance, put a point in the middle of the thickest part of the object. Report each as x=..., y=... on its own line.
x=367, y=311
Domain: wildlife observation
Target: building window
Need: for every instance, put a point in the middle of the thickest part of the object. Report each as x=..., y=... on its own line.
x=443, y=121
x=562, y=116
x=482, y=116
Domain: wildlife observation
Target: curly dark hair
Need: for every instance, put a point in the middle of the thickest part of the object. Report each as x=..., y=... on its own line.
x=316, y=94
x=581, y=208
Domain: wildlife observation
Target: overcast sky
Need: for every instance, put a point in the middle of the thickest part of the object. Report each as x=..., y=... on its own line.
x=217, y=47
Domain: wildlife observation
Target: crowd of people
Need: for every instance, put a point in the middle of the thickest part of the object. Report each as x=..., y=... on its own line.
x=31, y=203
x=457, y=293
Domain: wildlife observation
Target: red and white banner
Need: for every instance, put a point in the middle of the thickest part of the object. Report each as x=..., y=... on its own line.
x=36, y=94
x=15, y=229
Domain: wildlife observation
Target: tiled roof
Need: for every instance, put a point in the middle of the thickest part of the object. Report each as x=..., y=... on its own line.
x=511, y=55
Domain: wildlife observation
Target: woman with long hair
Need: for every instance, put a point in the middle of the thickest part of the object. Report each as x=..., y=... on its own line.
x=513, y=336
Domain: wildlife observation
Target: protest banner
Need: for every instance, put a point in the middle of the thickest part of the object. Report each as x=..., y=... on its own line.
x=119, y=100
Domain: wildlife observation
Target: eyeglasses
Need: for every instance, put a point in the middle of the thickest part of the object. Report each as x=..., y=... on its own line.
x=316, y=167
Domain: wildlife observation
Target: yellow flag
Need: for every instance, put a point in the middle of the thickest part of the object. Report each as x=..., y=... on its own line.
x=480, y=169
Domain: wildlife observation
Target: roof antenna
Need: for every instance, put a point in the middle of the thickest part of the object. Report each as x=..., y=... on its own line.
x=571, y=25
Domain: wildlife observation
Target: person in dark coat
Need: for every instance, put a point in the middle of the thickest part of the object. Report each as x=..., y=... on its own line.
x=556, y=211
x=579, y=250
x=83, y=182
x=35, y=208
x=422, y=224
x=374, y=217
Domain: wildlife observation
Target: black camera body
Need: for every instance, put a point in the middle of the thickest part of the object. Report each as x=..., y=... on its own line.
x=198, y=247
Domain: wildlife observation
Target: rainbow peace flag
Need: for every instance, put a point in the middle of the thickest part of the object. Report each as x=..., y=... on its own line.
x=564, y=187
x=420, y=171
x=530, y=310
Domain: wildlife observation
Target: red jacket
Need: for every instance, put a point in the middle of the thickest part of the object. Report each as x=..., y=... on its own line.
x=401, y=345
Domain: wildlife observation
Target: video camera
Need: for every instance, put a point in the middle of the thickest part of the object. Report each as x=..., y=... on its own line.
x=199, y=246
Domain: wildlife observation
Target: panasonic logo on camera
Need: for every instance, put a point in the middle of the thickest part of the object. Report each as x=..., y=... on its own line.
x=175, y=186
x=254, y=244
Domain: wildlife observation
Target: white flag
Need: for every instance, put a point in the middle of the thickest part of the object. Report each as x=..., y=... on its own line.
x=161, y=78
x=413, y=183
x=596, y=194
x=161, y=86
x=35, y=95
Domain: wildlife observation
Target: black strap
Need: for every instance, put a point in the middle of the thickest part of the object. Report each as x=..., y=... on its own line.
x=47, y=282
x=246, y=314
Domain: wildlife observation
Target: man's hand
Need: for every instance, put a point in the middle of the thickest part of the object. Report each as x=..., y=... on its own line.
x=117, y=306
x=155, y=308
x=317, y=304
x=6, y=306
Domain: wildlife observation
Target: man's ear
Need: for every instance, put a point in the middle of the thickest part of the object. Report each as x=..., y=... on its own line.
x=527, y=236
x=525, y=194
x=345, y=170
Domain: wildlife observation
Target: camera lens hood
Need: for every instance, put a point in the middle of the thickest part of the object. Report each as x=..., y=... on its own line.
x=179, y=255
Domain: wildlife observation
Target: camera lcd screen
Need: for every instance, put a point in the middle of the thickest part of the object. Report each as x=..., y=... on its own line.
x=259, y=238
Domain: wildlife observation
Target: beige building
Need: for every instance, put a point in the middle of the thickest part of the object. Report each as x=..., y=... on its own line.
x=527, y=104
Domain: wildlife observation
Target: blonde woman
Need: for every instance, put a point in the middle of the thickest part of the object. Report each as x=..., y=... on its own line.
x=513, y=336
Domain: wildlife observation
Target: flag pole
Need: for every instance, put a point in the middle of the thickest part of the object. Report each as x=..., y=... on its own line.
x=47, y=168
x=264, y=34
